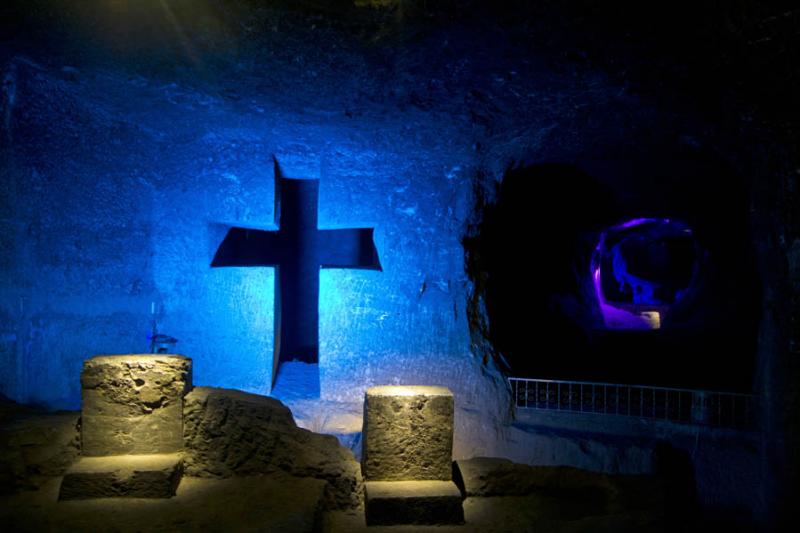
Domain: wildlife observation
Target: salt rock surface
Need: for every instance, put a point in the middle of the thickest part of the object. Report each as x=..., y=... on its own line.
x=233, y=433
x=136, y=476
x=133, y=404
x=494, y=476
x=35, y=445
x=408, y=433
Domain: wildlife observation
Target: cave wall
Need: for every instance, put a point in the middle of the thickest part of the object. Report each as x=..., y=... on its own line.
x=112, y=213
x=128, y=142
x=118, y=184
x=119, y=187
x=535, y=244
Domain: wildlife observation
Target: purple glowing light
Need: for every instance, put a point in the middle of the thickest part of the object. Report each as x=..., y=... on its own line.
x=637, y=222
x=618, y=318
x=639, y=304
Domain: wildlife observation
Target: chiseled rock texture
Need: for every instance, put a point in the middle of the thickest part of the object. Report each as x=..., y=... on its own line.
x=408, y=433
x=230, y=432
x=413, y=502
x=133, y=476
x=35, y=445
x=133, y=404
x=605, y=493
x=278, y=503
x=494, y=476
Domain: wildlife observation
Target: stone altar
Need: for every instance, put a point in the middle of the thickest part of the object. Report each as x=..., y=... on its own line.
x=407, y=456
x=131, y=427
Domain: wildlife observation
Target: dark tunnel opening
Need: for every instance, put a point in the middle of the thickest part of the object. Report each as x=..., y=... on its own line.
x=537, y=251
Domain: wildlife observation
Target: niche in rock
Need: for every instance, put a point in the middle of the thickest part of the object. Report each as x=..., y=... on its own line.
x=641, y=269
x=571, y=285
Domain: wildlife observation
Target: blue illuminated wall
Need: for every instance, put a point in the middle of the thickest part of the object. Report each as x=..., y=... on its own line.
x=117, y=209
x=130, y=145
x=133, y=133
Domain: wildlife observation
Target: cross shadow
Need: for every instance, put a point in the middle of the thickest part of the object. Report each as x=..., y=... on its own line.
x=298, y=249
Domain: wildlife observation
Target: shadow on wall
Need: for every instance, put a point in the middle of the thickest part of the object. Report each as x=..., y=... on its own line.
x=674, y=467
x=531, y=259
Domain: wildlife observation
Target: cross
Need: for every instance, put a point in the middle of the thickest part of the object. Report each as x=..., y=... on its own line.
x=297, y=250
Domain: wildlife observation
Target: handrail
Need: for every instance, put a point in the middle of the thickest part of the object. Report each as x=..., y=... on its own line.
x=699, y=407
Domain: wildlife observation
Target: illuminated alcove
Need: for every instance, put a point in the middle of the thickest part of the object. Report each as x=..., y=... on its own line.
x=583, y=277
x=642, y=269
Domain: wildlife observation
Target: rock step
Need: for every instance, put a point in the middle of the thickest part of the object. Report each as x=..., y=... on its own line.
x=132, y=476
x=413, y=502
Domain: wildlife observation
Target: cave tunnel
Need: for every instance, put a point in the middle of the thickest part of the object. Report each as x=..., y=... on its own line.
x=536, y=245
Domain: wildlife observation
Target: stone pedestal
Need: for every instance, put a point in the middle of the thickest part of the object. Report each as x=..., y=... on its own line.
x=413, y=502
x=407, y=456
x=133, y=404
x=408, y=433
x=131, y=427
x=134, y=476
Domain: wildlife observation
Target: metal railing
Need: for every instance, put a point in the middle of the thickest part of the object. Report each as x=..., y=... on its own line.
x=718, y=409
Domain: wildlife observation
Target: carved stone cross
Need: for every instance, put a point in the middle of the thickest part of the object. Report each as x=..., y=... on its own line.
x=298, y=249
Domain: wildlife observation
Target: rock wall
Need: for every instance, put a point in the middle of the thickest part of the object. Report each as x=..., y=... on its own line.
x=229, y=432
x=705, y=469
x=122, y=160
x=36, y=445
x=118, y=186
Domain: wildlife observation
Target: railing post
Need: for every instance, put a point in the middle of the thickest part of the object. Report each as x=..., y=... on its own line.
x=569, y=395
x=526, y=394
x=699, y=407
x=558, y=395
x=641, y=401
x=515, y=388
x=629, y=400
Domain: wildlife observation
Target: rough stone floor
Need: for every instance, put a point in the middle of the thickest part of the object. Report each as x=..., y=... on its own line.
x=292, y=505
x=38, y=447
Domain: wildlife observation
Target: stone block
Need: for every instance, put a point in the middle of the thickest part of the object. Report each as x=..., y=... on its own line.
x=494, y=476
x=133, y=404
x=135, y=476
x=413, y=502
x=158, y=432
x=408, y=433
x=234, y=433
